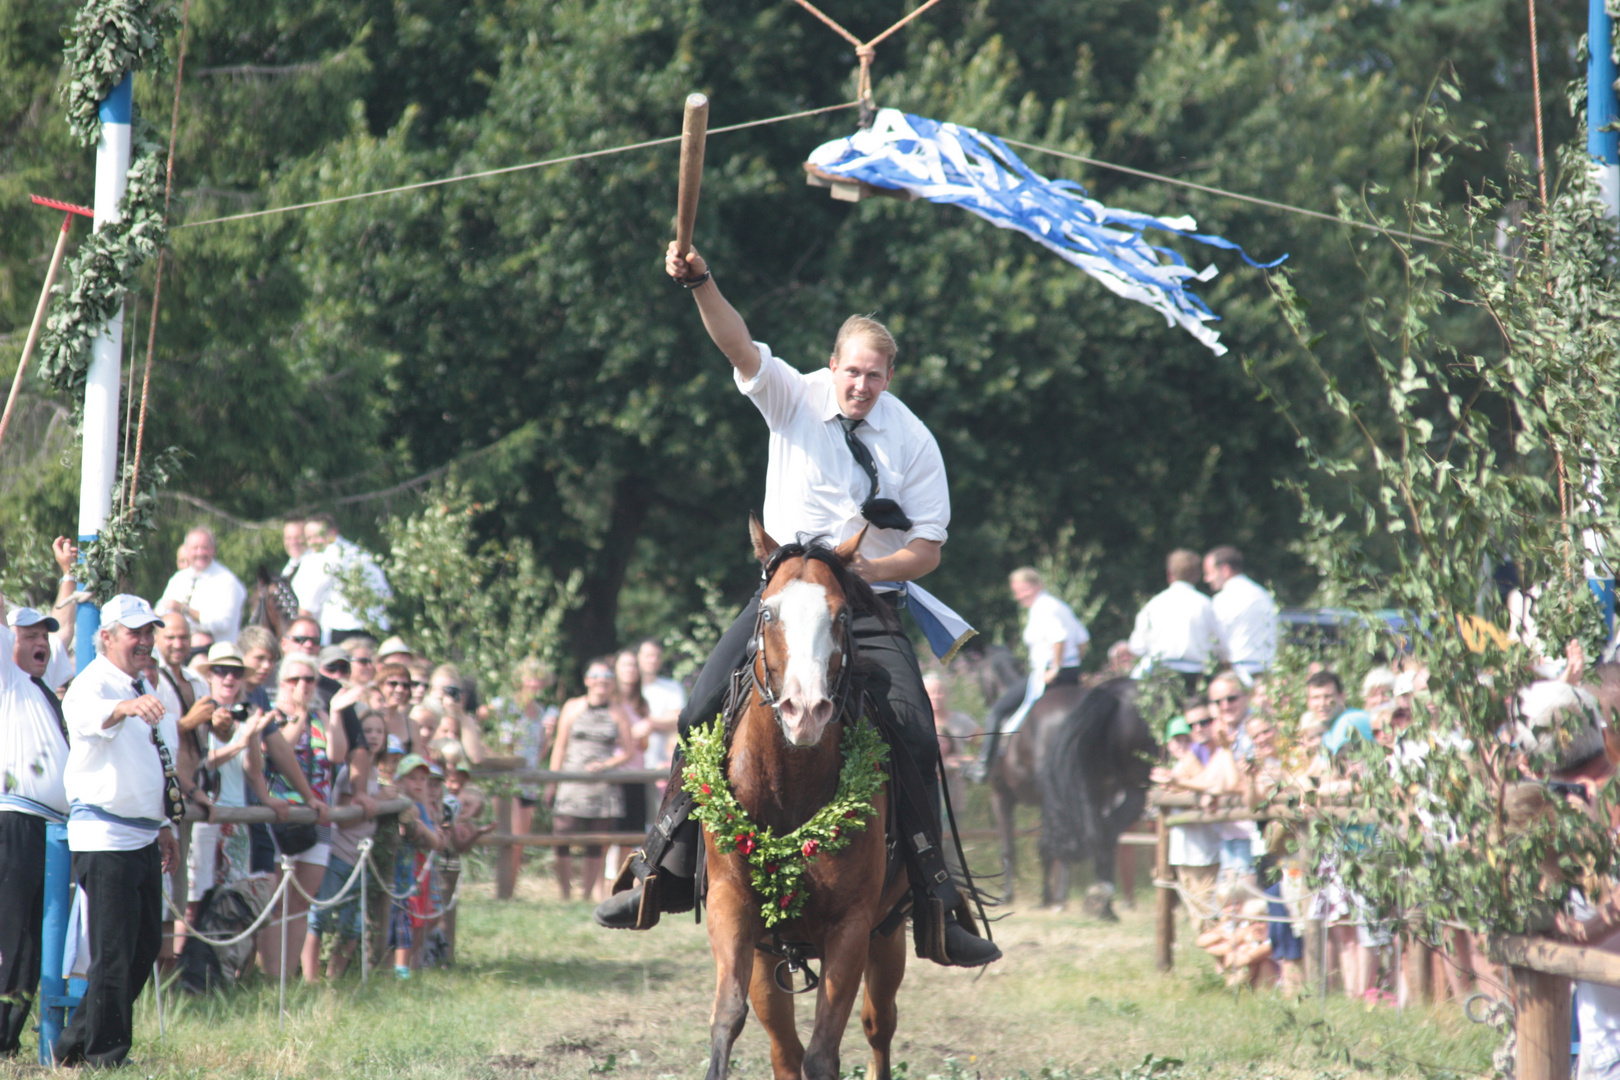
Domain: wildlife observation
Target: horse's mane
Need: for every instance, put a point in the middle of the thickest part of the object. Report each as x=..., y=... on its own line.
x=857, y=592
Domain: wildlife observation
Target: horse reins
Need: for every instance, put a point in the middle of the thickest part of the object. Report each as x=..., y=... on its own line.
x=846, y=646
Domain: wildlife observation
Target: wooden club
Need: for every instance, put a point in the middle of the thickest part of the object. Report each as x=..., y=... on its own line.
x=694, y=132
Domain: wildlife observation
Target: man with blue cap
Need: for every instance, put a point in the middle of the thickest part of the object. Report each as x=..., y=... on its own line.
x=118, y=830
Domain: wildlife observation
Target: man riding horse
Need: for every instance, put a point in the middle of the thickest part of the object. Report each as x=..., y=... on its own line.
x=843, y=456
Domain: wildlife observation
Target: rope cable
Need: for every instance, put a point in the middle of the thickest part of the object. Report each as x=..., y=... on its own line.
x=157, y=287
x=665, y=141
x=1224, y=193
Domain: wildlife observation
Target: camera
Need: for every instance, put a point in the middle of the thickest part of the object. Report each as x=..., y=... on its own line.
x=239, y=712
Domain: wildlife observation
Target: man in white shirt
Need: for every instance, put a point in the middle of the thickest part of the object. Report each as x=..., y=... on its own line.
x=1177, y=629
x=121, y=840
x=1055, y=640
x=843, y=456
x=33, y=753
x=1245, y=610
x=204, y=590
x=292, y=541
x=665, y=699
x=319, y=588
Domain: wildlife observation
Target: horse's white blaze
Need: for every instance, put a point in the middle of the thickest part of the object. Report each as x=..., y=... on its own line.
x=801, y=610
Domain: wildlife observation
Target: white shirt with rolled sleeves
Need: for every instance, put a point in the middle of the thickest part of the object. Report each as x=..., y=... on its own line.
x=813, y=485
x=114, y=778
x=33, y=753
x=1050, y=622
x=1248, y=618
x=215, y=594
x=1177, y=629
x=320, y=592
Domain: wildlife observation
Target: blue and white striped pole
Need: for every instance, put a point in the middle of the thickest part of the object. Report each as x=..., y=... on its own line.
x=99, y=469
x=1603, y=146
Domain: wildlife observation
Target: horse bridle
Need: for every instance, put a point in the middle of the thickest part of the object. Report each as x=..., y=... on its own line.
x=846, y=646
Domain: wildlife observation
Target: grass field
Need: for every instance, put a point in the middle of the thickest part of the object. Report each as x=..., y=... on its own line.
x=539, y=991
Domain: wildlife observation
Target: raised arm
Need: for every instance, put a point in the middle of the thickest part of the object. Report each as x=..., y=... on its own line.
x=720, y=319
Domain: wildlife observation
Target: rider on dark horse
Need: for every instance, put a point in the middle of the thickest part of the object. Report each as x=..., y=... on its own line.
x=843, y=456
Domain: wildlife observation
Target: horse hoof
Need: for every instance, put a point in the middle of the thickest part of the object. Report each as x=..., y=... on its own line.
x=1099, y=903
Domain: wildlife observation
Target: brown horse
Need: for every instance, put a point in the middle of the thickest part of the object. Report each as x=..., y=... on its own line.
x=783, y=766
x=273, y=605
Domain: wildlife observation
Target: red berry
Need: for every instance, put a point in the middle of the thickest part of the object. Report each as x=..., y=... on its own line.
x=786, y=900
x=770, y=868
x=836, y=830
x=745, y=843
x=810, y=848
x=850, y=814
x=705, y=789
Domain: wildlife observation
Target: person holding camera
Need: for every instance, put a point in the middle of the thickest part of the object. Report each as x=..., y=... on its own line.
x=232, y=763
x=445, y=693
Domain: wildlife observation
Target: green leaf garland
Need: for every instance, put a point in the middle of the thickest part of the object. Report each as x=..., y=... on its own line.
x=777, y=864
x=108, y=39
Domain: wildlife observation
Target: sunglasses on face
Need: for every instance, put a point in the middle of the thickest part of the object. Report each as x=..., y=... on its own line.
x=598, y=675
x=298, y=678
x=1227, y=700
x=395, y=684
x=228, y=672
x=362, y=660
x=1202, y=723
x=304, y=640
x=451, y=692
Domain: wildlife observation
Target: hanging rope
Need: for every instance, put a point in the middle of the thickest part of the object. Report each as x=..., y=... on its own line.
x=157, y=287
x=864, y=50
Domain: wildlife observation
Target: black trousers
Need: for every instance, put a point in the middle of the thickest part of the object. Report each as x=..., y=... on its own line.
x=22, y=911
x=894, y=685
x=125, y=890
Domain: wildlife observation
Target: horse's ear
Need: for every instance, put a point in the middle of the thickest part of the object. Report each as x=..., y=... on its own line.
x=763, y=544
x=846, y=551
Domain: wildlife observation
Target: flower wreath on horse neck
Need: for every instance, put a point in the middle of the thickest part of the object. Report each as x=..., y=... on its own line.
x=777, y=864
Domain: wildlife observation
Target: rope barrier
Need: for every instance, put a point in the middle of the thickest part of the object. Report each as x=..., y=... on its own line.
x=646, y=144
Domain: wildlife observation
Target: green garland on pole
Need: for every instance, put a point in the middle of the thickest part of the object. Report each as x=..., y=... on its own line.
x=777, y=864
x=109, y=39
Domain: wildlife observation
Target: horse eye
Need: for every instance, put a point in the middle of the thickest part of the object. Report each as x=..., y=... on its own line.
x=767, y=615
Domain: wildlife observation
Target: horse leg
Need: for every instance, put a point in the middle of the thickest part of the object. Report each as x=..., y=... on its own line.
x=885, y=967
x=844, y=961
x=732, y=934
x=1005, y=805
x=1055, y=884
x=775, y=1011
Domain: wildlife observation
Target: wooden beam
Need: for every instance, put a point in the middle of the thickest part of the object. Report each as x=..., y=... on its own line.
x=1557, y=958
x=846, y=190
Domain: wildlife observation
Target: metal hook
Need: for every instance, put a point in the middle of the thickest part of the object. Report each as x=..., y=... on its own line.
x=785, y=984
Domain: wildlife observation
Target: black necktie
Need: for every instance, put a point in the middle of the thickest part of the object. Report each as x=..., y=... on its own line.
x=884, y=513
x=56, y=705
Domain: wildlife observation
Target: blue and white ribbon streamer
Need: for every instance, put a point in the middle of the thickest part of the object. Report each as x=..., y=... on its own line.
x=949, y=163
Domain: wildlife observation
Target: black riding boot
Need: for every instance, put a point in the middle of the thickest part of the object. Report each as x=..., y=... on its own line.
x=941, y=918
x=660, y=876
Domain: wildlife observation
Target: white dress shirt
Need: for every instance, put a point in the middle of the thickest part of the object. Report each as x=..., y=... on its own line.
x=1178, y=629
x=1248, y=618
x=114, y=778
x=1051, y=622
x=167, y=694
x=216, y=595
x=664, y=696
x=813, y=485
x=320, y=592
x=33, y=752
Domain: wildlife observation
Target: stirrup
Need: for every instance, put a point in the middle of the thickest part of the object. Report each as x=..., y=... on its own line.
x=634, y=902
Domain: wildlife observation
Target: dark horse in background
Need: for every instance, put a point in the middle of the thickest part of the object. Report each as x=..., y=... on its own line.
x=272, y=604
x=1082, y=755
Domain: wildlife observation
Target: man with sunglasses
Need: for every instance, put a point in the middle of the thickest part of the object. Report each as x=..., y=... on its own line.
x=846, y=459
x=1229, y=698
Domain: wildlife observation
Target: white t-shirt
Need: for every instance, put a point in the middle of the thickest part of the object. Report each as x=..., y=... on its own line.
x=114, y=778
x=1178, y=629
x=1248, y=618
x=813, y=485
x=33, y=752
x=321, y=594
x=1050, y=622
x=214, y=592
x=663, y=696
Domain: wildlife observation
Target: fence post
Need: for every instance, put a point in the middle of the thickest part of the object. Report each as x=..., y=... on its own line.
x=505, y=872
x=1541, y=1007
x=1164, y=900
x=1316, y=964
x=58, y=996
x=1419, y=970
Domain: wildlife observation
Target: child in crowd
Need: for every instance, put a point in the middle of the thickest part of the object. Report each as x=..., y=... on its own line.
x=393, y=750
x=418, y=837
x=345, y=918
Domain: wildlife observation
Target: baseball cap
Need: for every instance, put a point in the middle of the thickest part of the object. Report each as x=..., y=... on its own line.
x=332, y=654
x=129, y=611
x=27, y=616
x=394, y=745
x=435, y=771
x=1176, y=726
x=394, y=646
x=410, y=763
x=223, y=654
